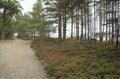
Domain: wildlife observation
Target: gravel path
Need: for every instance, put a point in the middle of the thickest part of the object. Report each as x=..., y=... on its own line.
x=18, y=61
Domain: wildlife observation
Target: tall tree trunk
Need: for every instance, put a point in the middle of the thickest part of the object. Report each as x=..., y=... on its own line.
x=106, y=21
x=85, y=22
x=59, y=21
x=109, y=28
x=77, y=23
x=64, y=23
x=100, y=23
x=112, y=22
x=88, y=25
x=116, y=25
x=72, y=25
x=4, y=25
x=81, y=24
x=94, y=21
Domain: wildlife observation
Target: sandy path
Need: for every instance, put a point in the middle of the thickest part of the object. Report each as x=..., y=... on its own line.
x=18, y=61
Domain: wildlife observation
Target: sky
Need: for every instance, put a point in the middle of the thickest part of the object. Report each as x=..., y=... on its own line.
x=27, y=5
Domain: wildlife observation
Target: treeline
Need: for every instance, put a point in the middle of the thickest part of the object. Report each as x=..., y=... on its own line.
x=34, y=23
x=87, y=19
x=9, y=9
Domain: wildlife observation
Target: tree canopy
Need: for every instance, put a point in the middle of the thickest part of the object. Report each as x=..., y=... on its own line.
x=8, y=11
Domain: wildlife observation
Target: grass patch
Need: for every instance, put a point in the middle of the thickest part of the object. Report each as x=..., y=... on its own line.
x=77, y=60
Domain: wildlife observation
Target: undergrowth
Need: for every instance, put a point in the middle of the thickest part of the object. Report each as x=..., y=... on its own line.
x=77, y=59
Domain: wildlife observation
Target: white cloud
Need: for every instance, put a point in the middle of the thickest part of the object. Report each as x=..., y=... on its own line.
x=27, y=5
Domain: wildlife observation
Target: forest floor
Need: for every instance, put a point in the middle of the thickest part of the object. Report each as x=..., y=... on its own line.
x=18, y=61
x=78, y=59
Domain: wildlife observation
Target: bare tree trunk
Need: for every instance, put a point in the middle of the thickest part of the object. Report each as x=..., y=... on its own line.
x=88, y=25
x=106, y=22
x=72, y=25
x=64, y=23
x=4, y=25
x=59, y=21
x=109, y=29
x=100, y=24
x=85, y=20
x=77, y=23
x=81, y=24
x=116, y=26
x=85, y=27
x=94, y=21
x=112, y=22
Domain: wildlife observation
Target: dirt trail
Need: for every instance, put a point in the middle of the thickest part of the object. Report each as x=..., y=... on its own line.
x=18, y=61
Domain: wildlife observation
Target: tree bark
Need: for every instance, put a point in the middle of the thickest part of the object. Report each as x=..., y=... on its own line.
x=59, y=21
x=72, y=25
x=64, y=23
x=81, y=24
x=77, y=23
x=112, y=22
x=4, y=25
